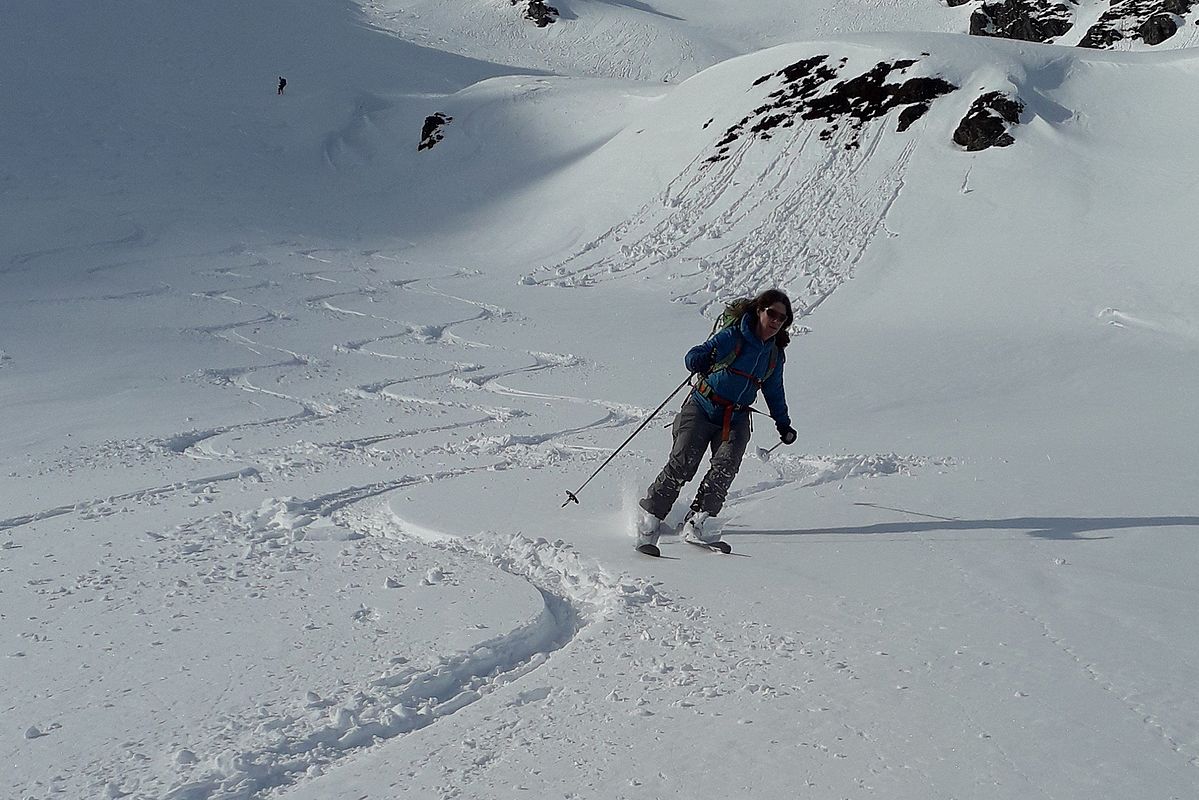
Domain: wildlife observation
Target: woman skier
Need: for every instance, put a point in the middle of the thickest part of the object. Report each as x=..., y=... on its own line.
x=743, y=356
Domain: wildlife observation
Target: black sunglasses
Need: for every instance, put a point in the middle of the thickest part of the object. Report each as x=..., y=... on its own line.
x=775, y=315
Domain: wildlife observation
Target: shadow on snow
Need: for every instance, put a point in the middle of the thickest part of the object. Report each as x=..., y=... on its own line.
x=1057, y=528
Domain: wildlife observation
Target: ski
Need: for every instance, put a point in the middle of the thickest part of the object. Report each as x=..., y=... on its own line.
x=715, y=547
x=649, y=550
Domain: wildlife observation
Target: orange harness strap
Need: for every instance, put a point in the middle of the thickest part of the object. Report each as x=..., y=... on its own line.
x=728, y=405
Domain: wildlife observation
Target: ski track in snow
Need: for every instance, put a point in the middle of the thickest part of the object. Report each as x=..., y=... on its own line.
x=814, y=471
x=403, y=699
x=668, y=644
x=453, y=433
x=105, y=506
x=23, y=261
x=732, y=228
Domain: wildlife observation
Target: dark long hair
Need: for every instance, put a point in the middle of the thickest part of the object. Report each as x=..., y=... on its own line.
x=765, y=300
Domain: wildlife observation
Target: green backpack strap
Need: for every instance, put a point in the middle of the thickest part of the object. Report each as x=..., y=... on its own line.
x=730, y=318
x=728, y=360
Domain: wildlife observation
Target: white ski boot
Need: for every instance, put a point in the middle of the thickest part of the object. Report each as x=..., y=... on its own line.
x=701, y=528
x=647, y=530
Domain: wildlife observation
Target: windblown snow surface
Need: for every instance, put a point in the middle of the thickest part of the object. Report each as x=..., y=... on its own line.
x=290, y=407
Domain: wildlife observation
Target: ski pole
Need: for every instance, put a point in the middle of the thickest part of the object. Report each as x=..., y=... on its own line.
x=573, y=496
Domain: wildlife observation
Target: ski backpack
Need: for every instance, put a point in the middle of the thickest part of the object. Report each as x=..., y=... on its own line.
x=731, y=318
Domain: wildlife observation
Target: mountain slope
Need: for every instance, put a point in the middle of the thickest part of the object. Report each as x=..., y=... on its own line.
x=292, y=406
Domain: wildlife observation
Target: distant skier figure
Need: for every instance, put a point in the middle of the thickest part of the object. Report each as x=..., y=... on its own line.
x=744, y=355
x=282, y=84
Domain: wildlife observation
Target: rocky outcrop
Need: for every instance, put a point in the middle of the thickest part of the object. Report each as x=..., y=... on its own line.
x=810, y=90
x=986, y=123
x=1099, y=36
x=910, y=115
x=430, y=132
x=1158, y=28
x=1027, y=20
x=1152, y=21
x=537, y=11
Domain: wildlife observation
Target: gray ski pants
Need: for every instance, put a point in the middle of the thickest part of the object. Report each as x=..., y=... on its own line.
x=693, y=434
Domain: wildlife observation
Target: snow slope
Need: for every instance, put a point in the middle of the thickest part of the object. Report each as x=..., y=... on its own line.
x=292, y=407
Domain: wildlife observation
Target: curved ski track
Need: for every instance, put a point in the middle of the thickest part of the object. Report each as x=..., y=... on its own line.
x=403, y=699
x=441, y=347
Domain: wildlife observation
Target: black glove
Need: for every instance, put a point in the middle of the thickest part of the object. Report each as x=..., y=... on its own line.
x=702, y=366
x=788, y=434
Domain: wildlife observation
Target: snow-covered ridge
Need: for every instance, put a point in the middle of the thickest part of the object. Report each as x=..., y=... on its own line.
x=673, y=39
x=825, y=130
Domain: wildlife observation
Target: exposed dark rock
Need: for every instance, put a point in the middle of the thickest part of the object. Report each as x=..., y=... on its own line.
x=986, y=123
x=1151, y=21
x=430, y=133
x=921, y=90
x=1099, y=36
x=1158, y=28
x=1148, y=20
x=539, y=12
x=808, y=92
x=910, y=115
x=1026, y=20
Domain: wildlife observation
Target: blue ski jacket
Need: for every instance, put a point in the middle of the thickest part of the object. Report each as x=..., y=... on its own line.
x=754, y=359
